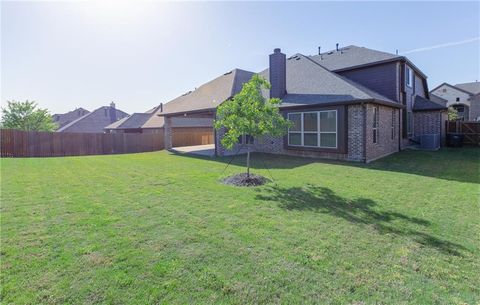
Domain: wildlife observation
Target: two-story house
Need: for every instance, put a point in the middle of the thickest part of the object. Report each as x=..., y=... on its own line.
x=465, y=98
x=351, y=103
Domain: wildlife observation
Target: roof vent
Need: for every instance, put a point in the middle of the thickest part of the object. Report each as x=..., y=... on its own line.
x=336, y=47
x=229, y=72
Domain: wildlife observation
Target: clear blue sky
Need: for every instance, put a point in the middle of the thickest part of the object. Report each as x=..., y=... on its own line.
x=65, y=55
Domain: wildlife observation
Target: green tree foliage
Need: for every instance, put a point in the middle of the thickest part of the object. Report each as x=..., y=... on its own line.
x=452, y=114
x=250, y=113
x=26, y=116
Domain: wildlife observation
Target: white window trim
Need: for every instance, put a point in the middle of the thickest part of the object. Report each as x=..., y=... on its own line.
x=409, y=77
x=318, y=132
x=376, y=122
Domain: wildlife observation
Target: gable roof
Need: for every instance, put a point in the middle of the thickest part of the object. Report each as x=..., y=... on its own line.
x=82, y=118
x=148, y=119
x=209, y=95
x=309, y=83
x=451, y=86
x=423, y=104
x=473, y=88
x=352, y=56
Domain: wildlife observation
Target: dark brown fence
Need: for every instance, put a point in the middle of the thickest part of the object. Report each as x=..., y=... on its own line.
x=470, y=130
x=188, y=136
x=16, y=143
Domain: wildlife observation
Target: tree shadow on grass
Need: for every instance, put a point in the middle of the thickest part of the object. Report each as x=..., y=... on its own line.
x=361, y=211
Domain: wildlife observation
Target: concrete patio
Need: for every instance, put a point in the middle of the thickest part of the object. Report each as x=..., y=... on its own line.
x=201, y=150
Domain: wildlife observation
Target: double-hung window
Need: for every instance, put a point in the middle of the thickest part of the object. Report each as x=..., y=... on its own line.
x=408, y=76
x=313, y=129
x=393, y=124
x=375, y=124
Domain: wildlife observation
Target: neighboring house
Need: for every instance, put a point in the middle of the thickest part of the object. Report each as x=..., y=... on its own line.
x=147, y=122
x=462, y=97
x=95, y=121
x=352, y=103
x=63, y=119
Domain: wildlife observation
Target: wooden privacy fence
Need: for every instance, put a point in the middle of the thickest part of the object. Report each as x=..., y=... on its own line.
x=470, y=130
x=188, y=136
x=16, y=143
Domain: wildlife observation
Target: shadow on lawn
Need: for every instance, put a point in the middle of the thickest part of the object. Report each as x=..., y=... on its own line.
x=448, y=163
x=324, y=200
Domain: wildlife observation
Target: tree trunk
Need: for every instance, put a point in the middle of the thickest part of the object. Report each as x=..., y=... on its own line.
x=248, y=162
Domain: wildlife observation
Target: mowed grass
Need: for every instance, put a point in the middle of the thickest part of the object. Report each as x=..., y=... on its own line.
x=159, y=228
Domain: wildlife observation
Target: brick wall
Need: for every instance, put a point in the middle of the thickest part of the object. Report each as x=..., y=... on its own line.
x=427, y=122
x=355, y=136
x=386, y=144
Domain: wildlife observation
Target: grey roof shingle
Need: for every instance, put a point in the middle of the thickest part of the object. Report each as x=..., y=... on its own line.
x=423, y=104
x=308, y=83
x=437, y=99
x=352, y=56
x=94, y=121
x=473, y=87
x=210, y=95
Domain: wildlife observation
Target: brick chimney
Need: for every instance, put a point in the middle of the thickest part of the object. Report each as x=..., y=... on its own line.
x=278, y=74
x=113, y=112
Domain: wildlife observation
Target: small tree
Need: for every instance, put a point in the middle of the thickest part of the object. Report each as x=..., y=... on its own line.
x=26, y=116
x=452, y=114
x=249, y=113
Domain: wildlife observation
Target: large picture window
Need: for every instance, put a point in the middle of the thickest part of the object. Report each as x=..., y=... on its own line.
x=313, y=129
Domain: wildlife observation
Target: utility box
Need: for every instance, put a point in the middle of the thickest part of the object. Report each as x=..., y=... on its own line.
x=430, y=141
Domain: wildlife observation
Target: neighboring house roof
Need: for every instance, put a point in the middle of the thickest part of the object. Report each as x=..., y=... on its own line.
x=94, y=121
x=309, y=83
x=149, y=119
x=210, y=95
x=423, y=104
x=437, y=99
x=473, y=88
x=451, y=86
x=63, y=119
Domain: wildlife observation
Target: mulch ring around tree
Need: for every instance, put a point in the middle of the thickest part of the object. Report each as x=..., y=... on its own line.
x=243, y=180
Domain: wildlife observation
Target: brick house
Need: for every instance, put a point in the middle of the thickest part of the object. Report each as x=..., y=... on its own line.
x=463, y=97
x=351, y=103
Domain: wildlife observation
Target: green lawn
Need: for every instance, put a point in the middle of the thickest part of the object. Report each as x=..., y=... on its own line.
x=159, y=228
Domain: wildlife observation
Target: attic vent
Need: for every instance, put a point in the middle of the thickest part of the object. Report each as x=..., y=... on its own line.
x=298, y=58
x=229, y=72
x=187, y=93
x=330, y=53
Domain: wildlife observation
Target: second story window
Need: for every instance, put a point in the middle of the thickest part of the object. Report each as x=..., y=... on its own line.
x=408, y=76
x=458, y=99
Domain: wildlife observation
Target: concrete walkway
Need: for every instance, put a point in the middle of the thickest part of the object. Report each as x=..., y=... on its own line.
x=201, y=150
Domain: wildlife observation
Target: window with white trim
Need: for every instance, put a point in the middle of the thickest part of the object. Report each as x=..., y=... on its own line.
x=393, y=124
x=408, y=76
x=313, y=129
x=375, y=124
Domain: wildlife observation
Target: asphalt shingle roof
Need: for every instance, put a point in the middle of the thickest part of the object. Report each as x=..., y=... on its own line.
x=473, y=88
x=308, y=83
x=352, y=56
x=423, y=104
x=211, y=94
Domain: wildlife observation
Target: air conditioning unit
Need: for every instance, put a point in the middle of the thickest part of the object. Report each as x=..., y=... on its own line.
x=430, y=141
